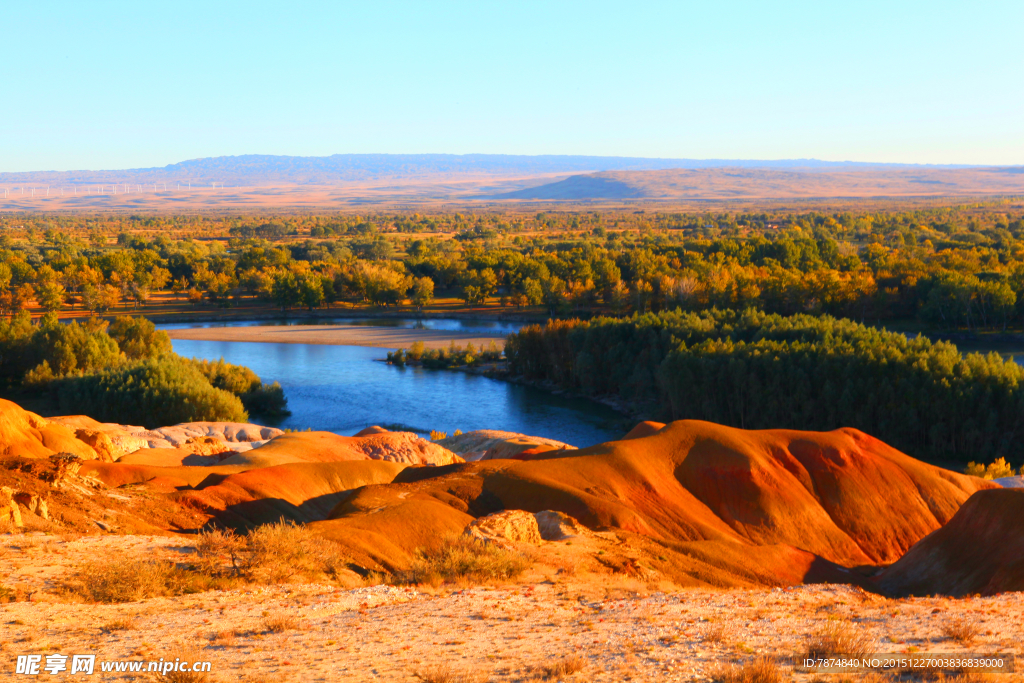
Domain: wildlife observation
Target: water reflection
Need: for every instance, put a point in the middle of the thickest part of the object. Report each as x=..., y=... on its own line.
x=460, y=325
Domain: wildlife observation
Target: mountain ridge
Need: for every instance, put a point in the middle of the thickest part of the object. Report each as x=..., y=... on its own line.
x=250, y=169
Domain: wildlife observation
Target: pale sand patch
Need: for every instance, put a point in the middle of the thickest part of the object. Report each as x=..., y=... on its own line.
x=336, y=335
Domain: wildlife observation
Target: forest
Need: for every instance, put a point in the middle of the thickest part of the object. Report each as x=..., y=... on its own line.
x=125, y=372
x=759, y=370
x=950, y=267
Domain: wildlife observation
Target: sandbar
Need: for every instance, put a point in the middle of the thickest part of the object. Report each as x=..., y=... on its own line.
x=340, y=335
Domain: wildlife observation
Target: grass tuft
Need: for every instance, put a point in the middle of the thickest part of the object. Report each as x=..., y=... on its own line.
x=461, y=558
x=279, y=623
x=760, y=670
x=272, y=553
x=962, y=629
x=837, y=638
x=443, y=673
x=125, y=623
x=566, y=666
x=715, y=632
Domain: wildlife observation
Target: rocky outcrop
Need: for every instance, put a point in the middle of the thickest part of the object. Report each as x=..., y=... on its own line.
x=558, y=526
x=505, y=528
x=113, y=441
x=106, y=449
x=489, y=444
x=25, y=434
x=10, y=515
x=228, y=432
x=35, y=504
x=404, y=447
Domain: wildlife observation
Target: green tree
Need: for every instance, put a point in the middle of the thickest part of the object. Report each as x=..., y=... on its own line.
x=51, y=295
x=422, y=292
x=138, y=338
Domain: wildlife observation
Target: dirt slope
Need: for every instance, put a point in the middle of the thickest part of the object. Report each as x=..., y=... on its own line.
x=981, y=550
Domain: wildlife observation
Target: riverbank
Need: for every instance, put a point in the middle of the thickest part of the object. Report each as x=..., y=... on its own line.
x=341, y=335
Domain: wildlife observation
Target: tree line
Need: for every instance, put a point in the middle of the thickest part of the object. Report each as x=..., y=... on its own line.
x=758, y=370
x=951, y=267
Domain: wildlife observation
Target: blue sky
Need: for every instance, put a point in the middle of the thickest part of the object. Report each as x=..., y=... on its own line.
x=93, y=85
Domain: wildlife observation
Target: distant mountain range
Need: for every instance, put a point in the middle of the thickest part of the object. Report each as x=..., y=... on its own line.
x=263, y=169
x=679, y=184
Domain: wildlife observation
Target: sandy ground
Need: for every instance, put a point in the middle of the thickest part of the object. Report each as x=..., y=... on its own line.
x=338, y=335
x=623, y=630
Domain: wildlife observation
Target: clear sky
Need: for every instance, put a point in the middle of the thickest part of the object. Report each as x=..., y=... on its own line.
x=102, y=85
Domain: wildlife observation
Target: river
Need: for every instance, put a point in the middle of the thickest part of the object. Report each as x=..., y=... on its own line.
x=343, y=389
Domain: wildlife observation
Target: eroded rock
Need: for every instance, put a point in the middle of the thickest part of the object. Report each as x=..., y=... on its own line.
x=506, y=528
x=490, y=444
x=557, y=526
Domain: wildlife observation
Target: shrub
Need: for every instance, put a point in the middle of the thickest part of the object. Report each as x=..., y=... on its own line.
x=716, y=632
x=155, y=392
x=138, y=338
x=269, y=554
x=125, y=580
x=962, y=629
x=279, y=623
x=439, y=359
x=267, y=400
x=52, y=349
x=257, y=398
x=998, y=469
x=237, y=379
x=461, y=558
x=837, y=638
x=566, y=666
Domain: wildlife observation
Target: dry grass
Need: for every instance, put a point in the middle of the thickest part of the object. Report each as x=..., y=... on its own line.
x=123, y=623
x=715, y=632
x=183, y=677
x=760, y=670
x=279, y=623
x=837, y=638
x=443, y=673
x=566, y=666
x=464, y=559
x=272, y=553
x=124, y=580
x=224, y=638
x=962, y=629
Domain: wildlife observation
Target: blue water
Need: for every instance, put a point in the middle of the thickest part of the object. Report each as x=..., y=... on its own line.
x=343, y=389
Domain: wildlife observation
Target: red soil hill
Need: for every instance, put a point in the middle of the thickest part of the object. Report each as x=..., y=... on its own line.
x=841, y=496
x=981, y=550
